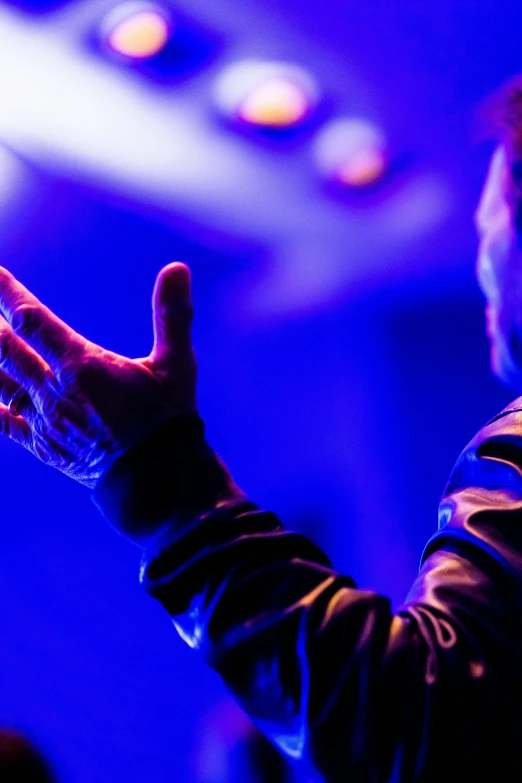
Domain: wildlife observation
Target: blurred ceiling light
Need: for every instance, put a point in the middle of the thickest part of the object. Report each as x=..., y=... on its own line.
x=351, y=152
x=14, y=181
x=137, y=30
x=266, y=94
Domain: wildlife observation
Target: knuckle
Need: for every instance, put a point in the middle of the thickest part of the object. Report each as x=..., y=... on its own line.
x=177, y=309
x=26, y=320
x=68, y=374
x=5, y=275
x=52, y=406
x=6, y=343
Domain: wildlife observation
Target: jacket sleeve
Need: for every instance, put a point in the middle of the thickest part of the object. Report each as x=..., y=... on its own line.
x=335, y=678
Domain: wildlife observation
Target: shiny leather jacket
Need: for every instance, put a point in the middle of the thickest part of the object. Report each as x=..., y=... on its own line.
x=353, y=691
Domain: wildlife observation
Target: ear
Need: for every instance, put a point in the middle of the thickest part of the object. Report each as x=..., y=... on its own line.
x=172, y=311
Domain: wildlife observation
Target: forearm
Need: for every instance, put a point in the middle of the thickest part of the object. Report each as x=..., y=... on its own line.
x=327, y=671
x=165, y=483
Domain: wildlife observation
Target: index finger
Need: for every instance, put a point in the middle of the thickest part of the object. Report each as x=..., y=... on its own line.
x=34, y=322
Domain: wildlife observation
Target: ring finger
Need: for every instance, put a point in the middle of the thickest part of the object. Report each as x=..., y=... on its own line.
x=23, y=365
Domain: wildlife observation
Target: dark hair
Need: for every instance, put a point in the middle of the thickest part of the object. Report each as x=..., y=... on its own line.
x=20, y=761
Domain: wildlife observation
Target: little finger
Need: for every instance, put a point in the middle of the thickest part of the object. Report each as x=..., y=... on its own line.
x=16, y=428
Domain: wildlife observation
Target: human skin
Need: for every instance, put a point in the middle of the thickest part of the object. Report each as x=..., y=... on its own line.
x=85, y=405
x=499, y=264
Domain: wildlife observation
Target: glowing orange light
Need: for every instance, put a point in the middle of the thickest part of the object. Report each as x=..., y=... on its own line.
x=138, y=32
x=365, y=167
x=352, y=152
x=266, y=93
x=277, y=103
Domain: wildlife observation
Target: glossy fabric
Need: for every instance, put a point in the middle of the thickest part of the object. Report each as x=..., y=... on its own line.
x=338, y=681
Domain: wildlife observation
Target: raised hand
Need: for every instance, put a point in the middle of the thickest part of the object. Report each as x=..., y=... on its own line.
x=75, y=405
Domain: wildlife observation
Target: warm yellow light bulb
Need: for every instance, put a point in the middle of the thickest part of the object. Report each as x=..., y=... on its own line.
x=362, y=168
x=140, y=36
x=277, y=103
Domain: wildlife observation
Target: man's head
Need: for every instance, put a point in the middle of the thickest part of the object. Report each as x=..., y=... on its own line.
x=499, y=224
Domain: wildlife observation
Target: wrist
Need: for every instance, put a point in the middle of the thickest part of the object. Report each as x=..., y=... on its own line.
x=170, y=476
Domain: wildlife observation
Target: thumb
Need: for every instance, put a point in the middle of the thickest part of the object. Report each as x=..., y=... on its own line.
x=172, y=311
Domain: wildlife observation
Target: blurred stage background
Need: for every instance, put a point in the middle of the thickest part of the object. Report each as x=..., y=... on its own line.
x=343, y=363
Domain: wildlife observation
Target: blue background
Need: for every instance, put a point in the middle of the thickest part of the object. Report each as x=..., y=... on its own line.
x=344, y=414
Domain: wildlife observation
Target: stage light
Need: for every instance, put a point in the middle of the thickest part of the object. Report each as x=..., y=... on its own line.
x=13, y=181
x=352, y=153
x=137, y=30
x=274, y=95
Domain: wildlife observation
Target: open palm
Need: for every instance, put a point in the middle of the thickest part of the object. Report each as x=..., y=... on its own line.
x=78, y=405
